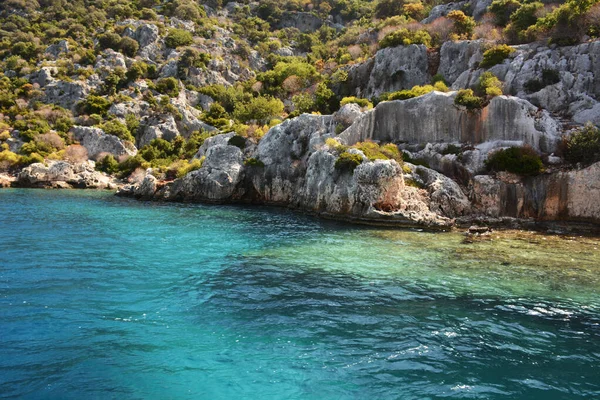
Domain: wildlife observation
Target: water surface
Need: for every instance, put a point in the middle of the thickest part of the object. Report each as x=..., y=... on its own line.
x=102, y=297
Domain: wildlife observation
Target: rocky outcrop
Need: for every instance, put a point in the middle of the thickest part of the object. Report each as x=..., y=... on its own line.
x=61, y=174
x=506, y=120
x=298, y=170
x=217, y=181
x=97, y=142
x=392, y=69
x=563, y=195
x=458, y=57
x=157, y=127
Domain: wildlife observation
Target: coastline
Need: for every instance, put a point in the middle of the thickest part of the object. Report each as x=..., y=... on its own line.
x=461, y=224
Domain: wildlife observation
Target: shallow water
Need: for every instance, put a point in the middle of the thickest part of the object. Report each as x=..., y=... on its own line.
x=102, y=297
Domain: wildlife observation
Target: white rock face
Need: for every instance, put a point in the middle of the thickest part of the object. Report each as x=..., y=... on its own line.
x=505, y=119
x=64, y=174
x=96, y=142
x=568, y=195
x=163, y=127
x=216, y=181
x=347, y=114
x=398, y=68
x=458, y=57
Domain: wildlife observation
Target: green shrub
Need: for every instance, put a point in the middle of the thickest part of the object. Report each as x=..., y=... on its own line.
x=95, y=105
x=525, y=16
x=237, y=141
x=549, y=77
x=356, y=100
x=518, y=160
x=463, y=24
x=468, y=99
x=490, y=85
x=129, y=46
x=117, y=129
x=108, y=164
x=496, y=55
x=9, y=160
x=261, y=109
x=178, y=37
x=416, y=91
x=347, y=162
x=583, y=146
x=168, y=86
x=502, y=10
x=404, y=37
x=374, y=151
x=184, y=167
x=109, y=40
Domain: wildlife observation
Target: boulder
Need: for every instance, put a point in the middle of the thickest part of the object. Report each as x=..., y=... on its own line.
x=155, y=127
x=347, y=114
x=63, y=174
x=97, y=142
x=217, y=181
x=397, y=68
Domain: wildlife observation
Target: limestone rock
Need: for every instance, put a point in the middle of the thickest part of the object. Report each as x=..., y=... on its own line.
x=163, y=127
x=458, y=57
x=505, y=119
x=397, y=68
x=64, y=174
x=96, y=142
x=217, y=140
x=347, y=114
x=216, y=181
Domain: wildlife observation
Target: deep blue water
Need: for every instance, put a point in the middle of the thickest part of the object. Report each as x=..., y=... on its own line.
x=102, y=297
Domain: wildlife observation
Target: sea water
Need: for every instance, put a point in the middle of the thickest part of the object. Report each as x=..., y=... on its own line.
x=103, y=297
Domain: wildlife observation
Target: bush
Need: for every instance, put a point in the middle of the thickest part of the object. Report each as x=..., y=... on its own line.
x=496, y=55
x=583, y=146
x=183, y=167
x=518, y=160
x=549, y=77
x=404, y=37
x=117, y=129
x=178, y=37
x=237, y=141
x=525, y=16
x=95, y=105
x=416, y=91
x=502, y=10
x=129, y=46
x=9, y=160
x=467, y=98
x=261, y=109
x=108, y=164
x=463, y=24
x=361, y=102
x=347, y=162
x=168, y=86
x=490, y=85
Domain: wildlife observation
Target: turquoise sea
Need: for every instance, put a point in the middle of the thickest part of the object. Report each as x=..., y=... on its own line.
x=109, y=298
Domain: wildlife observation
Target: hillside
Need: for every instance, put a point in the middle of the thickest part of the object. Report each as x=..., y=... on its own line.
x=415, y=112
